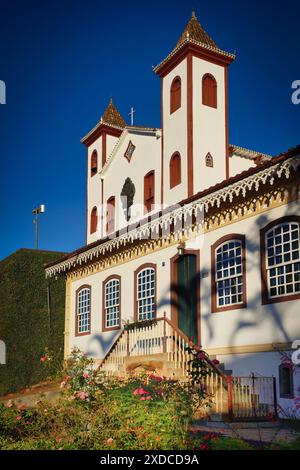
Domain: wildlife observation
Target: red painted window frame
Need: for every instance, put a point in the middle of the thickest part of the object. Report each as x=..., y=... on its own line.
x=175, y=95
x=175, y=170
x=149, y=191
x=94, y=220
x=110, y=221
x=209, y=91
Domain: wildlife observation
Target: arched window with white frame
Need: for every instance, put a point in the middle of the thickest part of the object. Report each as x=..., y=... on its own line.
x=112, y=303
x=83, y=311
x=280, y=260
x=229, y=273
x=145, y=292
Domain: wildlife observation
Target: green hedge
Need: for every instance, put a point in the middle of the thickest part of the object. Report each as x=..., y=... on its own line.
x=31, y=317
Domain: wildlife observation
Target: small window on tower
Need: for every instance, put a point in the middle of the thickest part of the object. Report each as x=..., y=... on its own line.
x=209, y=161
x=110, y=215
x=149, y=191
x=94, y=163
x=175, y=170
x=175, y=95
x=94, y=220
x=209, y=91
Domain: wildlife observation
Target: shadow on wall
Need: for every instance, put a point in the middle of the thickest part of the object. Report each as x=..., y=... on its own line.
x=98, y=346
x=250, y=318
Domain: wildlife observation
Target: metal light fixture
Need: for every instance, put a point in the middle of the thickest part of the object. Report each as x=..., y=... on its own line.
x=36, y=211
x=181, y=249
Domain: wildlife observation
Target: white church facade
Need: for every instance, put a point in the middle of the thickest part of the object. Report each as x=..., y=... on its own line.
x=188, y=232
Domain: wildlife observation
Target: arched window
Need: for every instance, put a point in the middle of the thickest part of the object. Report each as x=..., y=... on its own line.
x=209, y=91
x=94, y=163
x=149, y=194
x=175, y=170
x=112, y=303
x=110, y=215
x=229, y=273
x=175, y=95
x=280, y=260
x=94, y=220
x=83, y=311
x=145, y=292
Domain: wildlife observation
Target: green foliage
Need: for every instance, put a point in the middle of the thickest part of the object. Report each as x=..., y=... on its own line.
x=27, y=326
x=96, y=412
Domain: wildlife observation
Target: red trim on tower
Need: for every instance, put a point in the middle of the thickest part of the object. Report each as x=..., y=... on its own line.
x=162, y=143
x=226, y=125
x=190, y=168
x=103, y=149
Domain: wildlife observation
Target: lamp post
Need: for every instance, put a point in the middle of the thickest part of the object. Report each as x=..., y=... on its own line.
x=36, y=211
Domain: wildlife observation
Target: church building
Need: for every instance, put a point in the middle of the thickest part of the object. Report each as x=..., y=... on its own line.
x=190, y=239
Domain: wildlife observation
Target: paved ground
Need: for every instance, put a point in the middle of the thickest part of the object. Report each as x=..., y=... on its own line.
x=262, y=432
x=29, y=396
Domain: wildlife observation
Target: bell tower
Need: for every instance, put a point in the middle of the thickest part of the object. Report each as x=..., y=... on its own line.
x=194, y=114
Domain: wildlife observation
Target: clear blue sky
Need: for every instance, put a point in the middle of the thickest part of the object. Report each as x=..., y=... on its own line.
x=63, y=59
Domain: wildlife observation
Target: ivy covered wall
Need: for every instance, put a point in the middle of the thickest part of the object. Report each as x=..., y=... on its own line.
x=31, y=317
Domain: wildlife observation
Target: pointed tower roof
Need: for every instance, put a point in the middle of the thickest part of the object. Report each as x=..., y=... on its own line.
x=112, y=116
x=194, y=38
x=195, y=31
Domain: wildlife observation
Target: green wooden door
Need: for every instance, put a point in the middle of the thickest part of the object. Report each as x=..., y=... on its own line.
x=187, y=296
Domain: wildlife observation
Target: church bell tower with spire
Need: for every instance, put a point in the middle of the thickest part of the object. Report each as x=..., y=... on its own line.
x=195, y=148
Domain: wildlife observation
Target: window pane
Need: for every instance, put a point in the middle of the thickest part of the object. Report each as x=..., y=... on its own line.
x=282, y=259
x=83, y=311
x=228, y=273
x=146, y=294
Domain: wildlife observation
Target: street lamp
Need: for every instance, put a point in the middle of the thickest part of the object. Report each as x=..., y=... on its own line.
x=36, y=211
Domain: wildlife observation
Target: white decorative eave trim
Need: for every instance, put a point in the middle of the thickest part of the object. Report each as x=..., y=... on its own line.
x=247, y=153
x=101, y=122
x=214, y=199
x=196, y=43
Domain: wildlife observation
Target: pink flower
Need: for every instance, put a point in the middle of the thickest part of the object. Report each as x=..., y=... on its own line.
x=21, y=406
x=85, y=376
x=140, y=391
x=9, y=404
x=45, y=358
x=63, y=384
x=143, y=398
x=110, y=440
x=18, y=417
x=82, y=395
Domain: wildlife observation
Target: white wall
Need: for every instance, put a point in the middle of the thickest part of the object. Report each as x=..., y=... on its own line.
x=175, y=134
x=238, y=164
x=94, y=183
x=145, y=158
x=208, y=127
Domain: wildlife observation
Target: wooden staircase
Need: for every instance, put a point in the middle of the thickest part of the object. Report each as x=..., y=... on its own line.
x=160, y=347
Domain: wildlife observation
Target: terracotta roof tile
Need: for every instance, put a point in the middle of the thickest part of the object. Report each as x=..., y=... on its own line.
x=112, y=116
x=194, y=30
